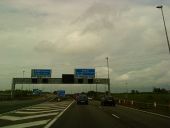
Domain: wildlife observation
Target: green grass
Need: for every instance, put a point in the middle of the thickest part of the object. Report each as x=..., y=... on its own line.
x=146, y=97
x=6, y=106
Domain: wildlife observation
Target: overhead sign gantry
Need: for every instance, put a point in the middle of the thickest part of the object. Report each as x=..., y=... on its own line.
x=41, y=76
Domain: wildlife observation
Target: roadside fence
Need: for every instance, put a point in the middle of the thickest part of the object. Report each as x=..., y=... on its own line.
x=153, y=107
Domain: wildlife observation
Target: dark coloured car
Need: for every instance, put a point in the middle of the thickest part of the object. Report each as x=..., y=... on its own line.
x=82, y=99
x=107, y=100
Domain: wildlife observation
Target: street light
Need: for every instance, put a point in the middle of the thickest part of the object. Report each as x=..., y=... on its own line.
x=22, y=79
x=126, y=88
x=108, y=75
x=166, y=33
x=96, y=82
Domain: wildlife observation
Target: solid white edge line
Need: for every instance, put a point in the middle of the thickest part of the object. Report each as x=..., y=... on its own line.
x=156, y=114
x=56, y=118
x=115, y=116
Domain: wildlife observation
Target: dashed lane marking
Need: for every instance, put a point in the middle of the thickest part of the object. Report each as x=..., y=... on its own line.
x=26, y=125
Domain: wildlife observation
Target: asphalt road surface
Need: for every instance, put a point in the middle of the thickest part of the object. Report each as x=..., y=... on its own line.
x=67, y=114
x=95, y=116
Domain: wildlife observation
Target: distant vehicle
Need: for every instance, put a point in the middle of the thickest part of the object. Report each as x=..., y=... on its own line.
x=82, y=99
x=60, y=95
x=107, y=100
x=36, y=92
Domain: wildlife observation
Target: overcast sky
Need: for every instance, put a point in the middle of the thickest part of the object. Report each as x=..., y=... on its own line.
x=66, y=34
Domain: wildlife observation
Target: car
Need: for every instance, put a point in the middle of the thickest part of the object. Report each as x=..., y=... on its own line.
x=82, y=99
x=107, y=100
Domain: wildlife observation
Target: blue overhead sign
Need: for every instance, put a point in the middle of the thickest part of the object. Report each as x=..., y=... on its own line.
x=41, y=73
x=84, y=73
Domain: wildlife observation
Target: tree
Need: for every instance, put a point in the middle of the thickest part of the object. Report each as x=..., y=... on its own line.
x=160, y=90
x=134, y=91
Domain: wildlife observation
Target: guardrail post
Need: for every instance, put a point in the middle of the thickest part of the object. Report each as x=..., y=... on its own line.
x=154, y=104
x=132, y=102
x=119, y=101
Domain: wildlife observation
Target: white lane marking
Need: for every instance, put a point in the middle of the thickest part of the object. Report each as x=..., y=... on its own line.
x=26, y=125
x=43, y=102
x=56, y=103
x=31, y=112
x=115, y=116
x=33, y=109
x=15, y=118
x=48, y=107
x=44, y=105
x=48, y=104
x=56, y=118
x=42, y=108
x=156, y=114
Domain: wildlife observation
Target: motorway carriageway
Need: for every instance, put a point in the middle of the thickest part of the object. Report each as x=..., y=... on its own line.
x=67, y=114
x=96, y=116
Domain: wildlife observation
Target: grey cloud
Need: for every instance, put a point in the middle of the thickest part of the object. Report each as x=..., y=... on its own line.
x=45, y=47
x=157, y=74
x=98, y=17
x=82, y=33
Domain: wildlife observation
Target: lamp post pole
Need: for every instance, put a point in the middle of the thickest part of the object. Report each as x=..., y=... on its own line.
x=108, y=74
x=22, y=79
x=96, y=83
x=163, y=17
